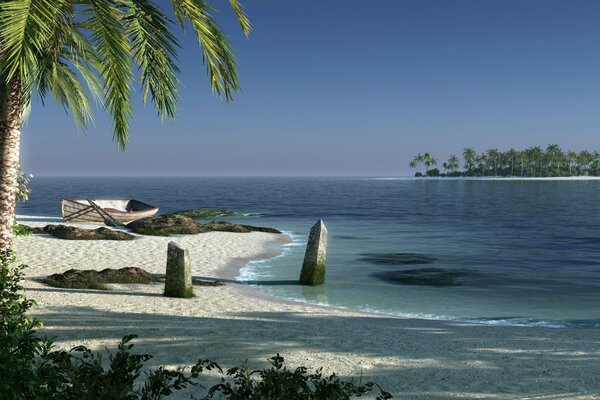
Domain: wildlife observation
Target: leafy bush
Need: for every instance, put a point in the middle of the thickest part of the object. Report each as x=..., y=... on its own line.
x=278, y=382
x=31, y=369
x=433, y=172
x=21, y=230
x=23, y=189
x=18, y=344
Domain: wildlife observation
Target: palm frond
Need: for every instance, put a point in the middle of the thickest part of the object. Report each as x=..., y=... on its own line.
x=25, y=27
x=153, y=49
x=81, y=54
x=241, y=16
x=68, y=48
x=68, y=91
x=216, y=48
x=105, y=21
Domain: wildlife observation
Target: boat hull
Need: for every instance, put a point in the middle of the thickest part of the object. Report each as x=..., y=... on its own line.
x=101, y=211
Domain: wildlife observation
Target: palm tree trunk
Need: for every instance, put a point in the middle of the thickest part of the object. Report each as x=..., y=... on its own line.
x=10, y=135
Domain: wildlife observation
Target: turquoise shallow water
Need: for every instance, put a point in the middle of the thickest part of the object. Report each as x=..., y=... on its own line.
x=524, y=252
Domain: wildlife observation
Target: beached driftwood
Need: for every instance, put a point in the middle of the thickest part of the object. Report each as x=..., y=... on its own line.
x=178, y=278
x=313, y=267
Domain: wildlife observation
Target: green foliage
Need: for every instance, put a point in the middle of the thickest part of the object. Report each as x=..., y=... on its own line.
x=278, y=382
x=21, y=230
x=23, y=189
x=74, y=49
x=531, y=162
x=18, y=343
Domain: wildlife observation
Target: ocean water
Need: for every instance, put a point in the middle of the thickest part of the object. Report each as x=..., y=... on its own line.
x=515, y=252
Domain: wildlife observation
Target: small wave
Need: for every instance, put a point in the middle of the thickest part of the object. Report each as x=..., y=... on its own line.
x=252, y=270
x=297, y=239
x=520, y=322
x=247, y=214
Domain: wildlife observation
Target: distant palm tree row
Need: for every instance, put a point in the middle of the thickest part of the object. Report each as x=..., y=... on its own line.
x=531, y=162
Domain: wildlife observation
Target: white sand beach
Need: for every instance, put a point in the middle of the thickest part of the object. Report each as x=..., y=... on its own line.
x=413, y=359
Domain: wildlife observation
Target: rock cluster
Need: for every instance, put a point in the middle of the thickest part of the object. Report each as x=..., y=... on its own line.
x=75, y=233
x=175, y=224
x=201, y=213
x=92, y=279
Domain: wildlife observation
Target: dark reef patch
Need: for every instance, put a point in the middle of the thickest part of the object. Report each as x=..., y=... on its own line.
x=350, y=237
x=397, y=258
x=427, y=276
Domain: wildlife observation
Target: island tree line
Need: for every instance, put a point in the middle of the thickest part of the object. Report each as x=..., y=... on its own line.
x=531, y=162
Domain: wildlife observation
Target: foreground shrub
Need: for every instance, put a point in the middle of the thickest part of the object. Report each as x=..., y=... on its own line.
x=18, y=344
x=278, y=382
x=22, y=230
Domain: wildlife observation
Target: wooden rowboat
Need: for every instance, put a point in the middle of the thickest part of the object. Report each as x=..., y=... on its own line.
x=107, y=211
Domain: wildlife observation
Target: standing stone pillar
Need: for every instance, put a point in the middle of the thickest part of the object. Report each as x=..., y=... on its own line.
x=178, y=279
x=313, y=267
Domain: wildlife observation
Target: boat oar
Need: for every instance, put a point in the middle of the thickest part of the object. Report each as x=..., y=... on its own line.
x=107, y=217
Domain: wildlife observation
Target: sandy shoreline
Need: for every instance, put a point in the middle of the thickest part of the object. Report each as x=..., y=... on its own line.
x=415, y=359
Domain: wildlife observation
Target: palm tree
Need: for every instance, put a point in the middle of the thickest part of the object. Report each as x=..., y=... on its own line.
x=70, y=48
x=511, y=157
x=429, y=161
x=493, y=158
x=572, y=159
x=584, y=160
x=453, y=163
x=534, y=155
x=416, y=161
x=469, y=155
x=554, y=159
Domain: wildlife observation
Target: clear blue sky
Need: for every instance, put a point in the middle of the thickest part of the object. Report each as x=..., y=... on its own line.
x=347, y=87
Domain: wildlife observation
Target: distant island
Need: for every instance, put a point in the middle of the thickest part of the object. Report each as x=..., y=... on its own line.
x=531, y=162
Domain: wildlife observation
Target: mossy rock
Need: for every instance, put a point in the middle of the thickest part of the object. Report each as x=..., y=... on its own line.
x=75, y=233
x=427, y=276
x=397, y=258
x=202, y=213
x=92, y=279
x=224, y=226
x=200, y=282
x=261, y=229
x=166, y=225
x=173, y=224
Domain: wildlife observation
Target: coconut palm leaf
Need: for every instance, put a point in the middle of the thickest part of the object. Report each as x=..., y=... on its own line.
x=242, y=18
x=216, y=48
x=154, y=51
x=104, y=20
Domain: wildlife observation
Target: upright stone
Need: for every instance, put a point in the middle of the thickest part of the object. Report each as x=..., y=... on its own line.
x=178, y=279
x=313, y=267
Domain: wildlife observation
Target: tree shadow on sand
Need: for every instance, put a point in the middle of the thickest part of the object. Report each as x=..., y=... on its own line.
x=415, y=359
